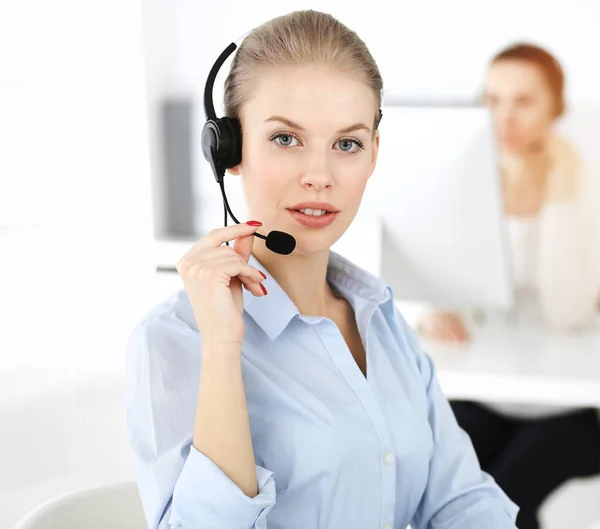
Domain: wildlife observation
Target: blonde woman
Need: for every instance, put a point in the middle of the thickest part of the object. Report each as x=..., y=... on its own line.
x=530, y=451
x=286, y=391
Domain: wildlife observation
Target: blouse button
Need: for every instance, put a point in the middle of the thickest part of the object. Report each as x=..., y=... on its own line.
x=389, y=459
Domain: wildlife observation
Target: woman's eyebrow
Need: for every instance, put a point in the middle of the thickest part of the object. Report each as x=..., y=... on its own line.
x=352, y=128
x=285, y=121
x=293, y=125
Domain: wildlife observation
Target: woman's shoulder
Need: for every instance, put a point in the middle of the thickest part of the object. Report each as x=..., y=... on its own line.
x=162, y=366
x=562, y=144
x=564, y=154
x=563, y=177
x=403, y=322
x=167, y=330
x=174, y=305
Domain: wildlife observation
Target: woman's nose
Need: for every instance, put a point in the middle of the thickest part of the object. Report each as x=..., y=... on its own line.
x=505, y=113
x=317, y=174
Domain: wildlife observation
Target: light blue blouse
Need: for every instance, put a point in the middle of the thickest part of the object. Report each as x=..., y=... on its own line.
x=333, y=449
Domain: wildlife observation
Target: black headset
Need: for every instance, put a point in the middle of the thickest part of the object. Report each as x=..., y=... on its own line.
x=222, y=148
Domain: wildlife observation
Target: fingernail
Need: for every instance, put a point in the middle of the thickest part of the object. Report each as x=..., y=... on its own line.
x=263, y=275
x=263, y=289
x=254, y=223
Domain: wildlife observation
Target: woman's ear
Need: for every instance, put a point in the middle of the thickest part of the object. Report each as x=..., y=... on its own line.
x=375, y=151
x=235, y=171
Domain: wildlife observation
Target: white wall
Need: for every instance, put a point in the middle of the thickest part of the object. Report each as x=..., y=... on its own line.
x=430, y=49
x=160, y=60
x=75, y=241
x=75, y=208
x=74, y=142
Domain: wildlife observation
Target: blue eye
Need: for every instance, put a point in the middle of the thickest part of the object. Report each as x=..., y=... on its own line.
x=346, y=145
x=285, y=140
x=349, y=146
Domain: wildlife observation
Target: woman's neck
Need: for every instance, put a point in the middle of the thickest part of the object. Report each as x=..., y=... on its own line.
x=524, y=182
x=303, y=278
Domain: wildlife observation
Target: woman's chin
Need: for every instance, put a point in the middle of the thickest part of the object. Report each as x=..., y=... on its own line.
x=312, y=243
x=311, y=247
x=511, y=146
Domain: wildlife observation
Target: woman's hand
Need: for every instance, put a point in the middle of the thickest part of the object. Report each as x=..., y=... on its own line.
x=444, y=327
x=213, y=275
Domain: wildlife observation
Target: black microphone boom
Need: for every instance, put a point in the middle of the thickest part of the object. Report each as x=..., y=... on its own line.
x=276, y=241
x=280, y=242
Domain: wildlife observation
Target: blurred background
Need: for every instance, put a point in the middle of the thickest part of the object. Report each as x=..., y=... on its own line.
x=103, y=186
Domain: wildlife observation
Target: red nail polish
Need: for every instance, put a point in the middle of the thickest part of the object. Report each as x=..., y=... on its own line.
x=263, y=275
x=263, y=289
x=254, y=223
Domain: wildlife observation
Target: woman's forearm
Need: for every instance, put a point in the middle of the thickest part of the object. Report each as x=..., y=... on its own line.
x=222, y=425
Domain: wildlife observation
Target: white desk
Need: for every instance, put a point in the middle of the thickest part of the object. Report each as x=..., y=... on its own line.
x=522, y=365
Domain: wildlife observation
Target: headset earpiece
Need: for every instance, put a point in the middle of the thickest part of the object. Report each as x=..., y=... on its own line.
x=221, y=137
x=232, y=147
x=222, y=144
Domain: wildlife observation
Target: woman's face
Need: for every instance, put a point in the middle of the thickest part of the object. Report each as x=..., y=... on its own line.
x=522, y=104
x=307, y=136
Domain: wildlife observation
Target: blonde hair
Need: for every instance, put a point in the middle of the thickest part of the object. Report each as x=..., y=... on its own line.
x=301, y=37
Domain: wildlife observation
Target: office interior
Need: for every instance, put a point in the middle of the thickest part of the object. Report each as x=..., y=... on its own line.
x=103, y=188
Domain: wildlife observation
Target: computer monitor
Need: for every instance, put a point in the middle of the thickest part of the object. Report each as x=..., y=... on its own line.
x=436, y=190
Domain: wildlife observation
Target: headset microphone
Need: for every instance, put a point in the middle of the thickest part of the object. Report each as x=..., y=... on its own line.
x=222, y=148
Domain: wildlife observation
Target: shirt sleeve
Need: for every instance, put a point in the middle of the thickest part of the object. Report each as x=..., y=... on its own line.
x=178, y=485
x=458, y=493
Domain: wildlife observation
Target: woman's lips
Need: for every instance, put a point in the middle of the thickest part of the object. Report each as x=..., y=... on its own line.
x=312, y=221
